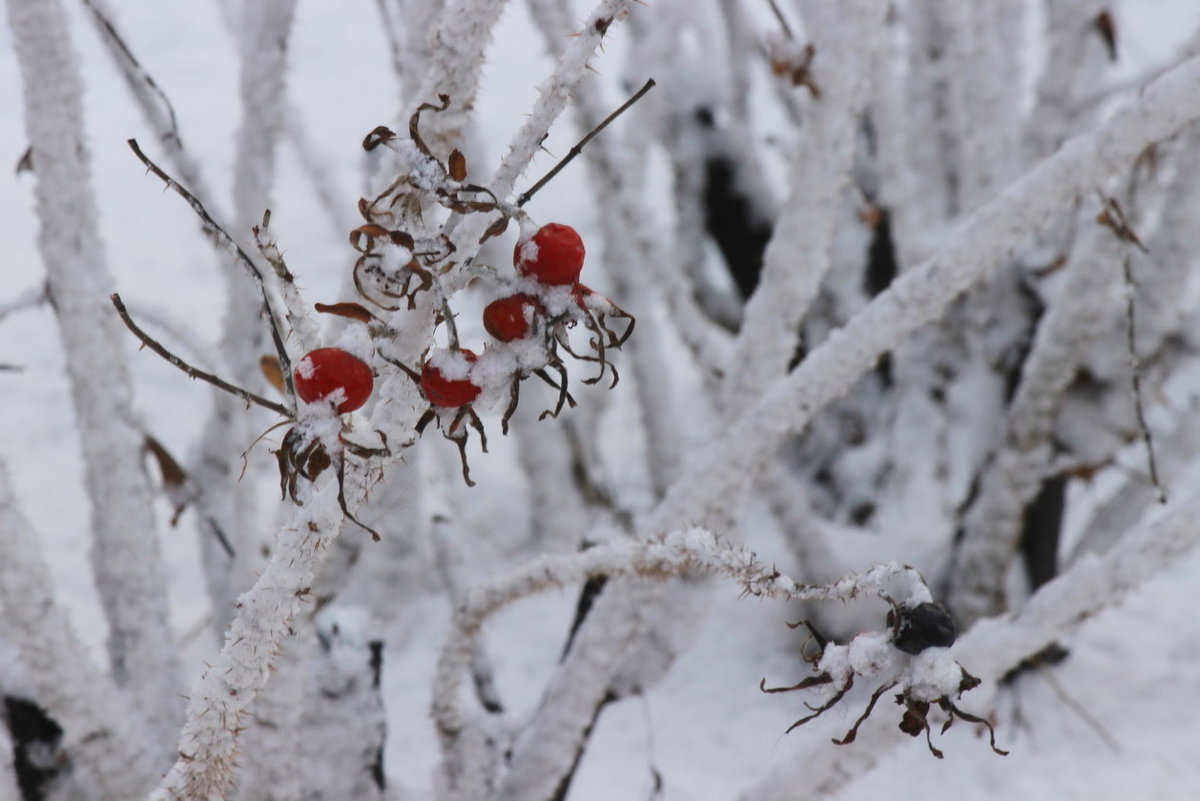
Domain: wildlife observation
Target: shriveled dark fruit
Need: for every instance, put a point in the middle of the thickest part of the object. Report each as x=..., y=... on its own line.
x=927, y=625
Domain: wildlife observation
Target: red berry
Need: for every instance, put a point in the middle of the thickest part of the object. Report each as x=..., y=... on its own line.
x=445, y=392
x=333, y=374
x=553, y=256
x=509, y=318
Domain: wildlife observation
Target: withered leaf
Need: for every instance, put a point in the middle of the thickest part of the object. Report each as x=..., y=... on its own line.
x=403, y=239
x=458, y=165
x=495, y=229
x=377, y=137
x=172, y=474
x=273, y=372
x=354, y=311
x=363, y=237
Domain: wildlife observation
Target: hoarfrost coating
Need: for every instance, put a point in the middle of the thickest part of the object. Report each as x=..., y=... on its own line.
x=943, y=390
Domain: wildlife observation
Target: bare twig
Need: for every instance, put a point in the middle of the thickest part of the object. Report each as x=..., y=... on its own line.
x=114, y=38
x=195, y=372
x=783, y=23
x=213, y=229
x=1112, y=216
x=1135, y=379
x=525, y=196
x=1072, y=703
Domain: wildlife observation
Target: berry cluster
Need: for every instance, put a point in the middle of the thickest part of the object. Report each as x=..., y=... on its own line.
x=529, y=321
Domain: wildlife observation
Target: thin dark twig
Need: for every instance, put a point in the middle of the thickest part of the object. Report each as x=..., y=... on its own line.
x=214, y=230
x=1112, y=216
x=115, y=40
x=525, y=196
x=1135, y=378
x=1090, y=720
x=783, y=23
x=389, y=32
x=194, y=372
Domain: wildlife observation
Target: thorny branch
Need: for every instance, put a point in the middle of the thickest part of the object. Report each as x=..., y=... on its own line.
x=195, y=372
x=220, y=236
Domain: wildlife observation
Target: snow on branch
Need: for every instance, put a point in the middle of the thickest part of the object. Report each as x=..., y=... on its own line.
x=455, y=49
x=799, y=254
x=1012, y=479
x=671, y=556
x=555, y=92
x=125, y=555
x=1021, y=212
x=217, y=707
x=995, y=645
x=106, y=742
x=553, y=95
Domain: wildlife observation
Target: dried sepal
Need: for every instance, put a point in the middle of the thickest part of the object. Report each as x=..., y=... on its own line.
x=302, y=456
x=380, y=135
x=911, y=626
x=414, y=122
x=349, y=310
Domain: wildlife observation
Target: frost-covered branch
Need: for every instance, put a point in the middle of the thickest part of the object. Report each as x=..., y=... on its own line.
x=1074, y=68
x=153, y=101
x=453, y=56
x=1012, y=478
x=262, y=44
x=126, y=556
x=672, y=556
x=555, y=92
x=1021, y=212
x=107, y=740
x=721, y=472
x=995, y=645
x=217, y=708
x=848, y=39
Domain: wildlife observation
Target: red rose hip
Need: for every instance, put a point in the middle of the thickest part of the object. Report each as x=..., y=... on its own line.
x=333, y=374
x=552, y=256
x=509, y=318
x=447, y=393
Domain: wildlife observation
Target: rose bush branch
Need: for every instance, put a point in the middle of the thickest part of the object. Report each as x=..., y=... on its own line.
x=126, y=557
x=105, y=736
x=676, y=554
x=1018, y=214
x=800, y=252
x=217, y=706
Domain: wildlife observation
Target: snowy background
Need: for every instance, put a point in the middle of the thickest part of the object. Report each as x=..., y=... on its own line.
x=706, y=729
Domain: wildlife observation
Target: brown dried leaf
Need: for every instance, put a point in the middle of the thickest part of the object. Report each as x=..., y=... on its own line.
x=369, y=232
x=495, y=229
x=172, y=474
x=354, y=311
x=377, y=137
x=458, y=166
x=273, y=372
x=404, y=240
